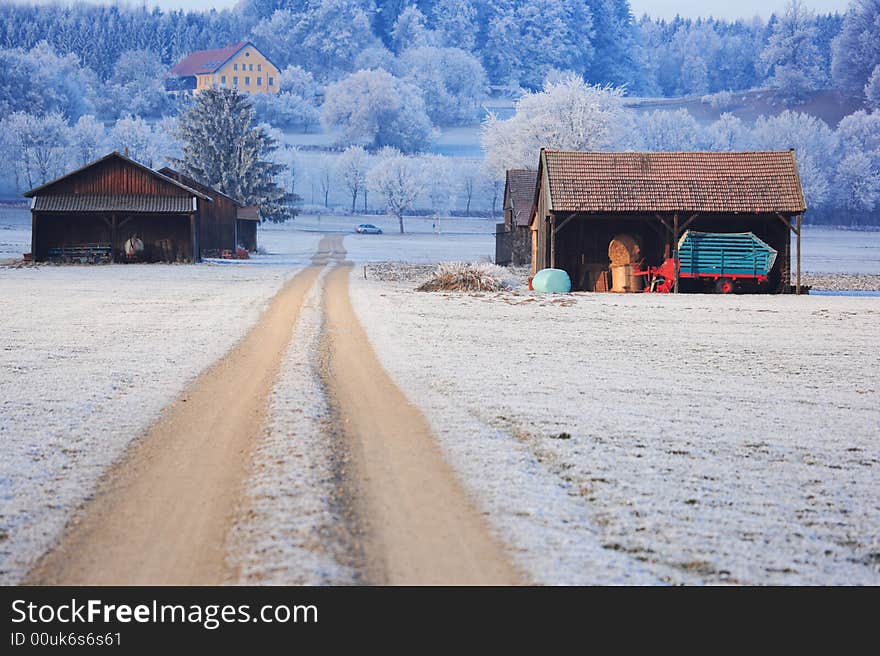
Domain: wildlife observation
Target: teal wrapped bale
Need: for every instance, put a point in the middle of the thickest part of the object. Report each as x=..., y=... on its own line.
x=551, y=281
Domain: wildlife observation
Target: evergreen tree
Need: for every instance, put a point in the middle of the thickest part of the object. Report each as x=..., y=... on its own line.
x=223, y=148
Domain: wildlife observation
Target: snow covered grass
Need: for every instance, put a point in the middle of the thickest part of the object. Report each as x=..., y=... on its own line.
x=288, y=530
x=90, y=356
x=637, y=438
x=15, y=231
x=468, y=277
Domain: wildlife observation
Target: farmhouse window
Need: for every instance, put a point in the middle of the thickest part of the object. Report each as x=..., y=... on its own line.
x=235, y=67
x=271, y=82
x=259, y=81
x=247, y=80
x=259, y=67
x=235, y=81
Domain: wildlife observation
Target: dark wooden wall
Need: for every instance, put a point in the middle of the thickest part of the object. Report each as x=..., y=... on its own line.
x=111, y=177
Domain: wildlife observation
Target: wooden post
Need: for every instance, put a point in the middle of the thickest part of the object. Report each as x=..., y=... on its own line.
x=113, y=237
x=797, y=289
x=194, y=238
x=675, y=249
x=33, y=236
x=552, y=241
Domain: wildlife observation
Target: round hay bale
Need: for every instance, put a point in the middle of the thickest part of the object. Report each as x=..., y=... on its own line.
x=624, y=249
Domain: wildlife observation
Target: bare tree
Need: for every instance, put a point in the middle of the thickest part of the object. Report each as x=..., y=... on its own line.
x=399, y=180
x=352, y=167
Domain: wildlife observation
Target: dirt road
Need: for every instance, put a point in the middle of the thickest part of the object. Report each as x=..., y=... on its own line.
x=163, y=514
x=420, y=528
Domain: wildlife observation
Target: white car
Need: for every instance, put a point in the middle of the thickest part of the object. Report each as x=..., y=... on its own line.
x=368, y=229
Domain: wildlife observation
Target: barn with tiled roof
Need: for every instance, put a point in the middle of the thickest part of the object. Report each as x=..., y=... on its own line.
x=584, y=200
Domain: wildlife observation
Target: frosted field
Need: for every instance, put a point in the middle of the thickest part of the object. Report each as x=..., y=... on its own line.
x=90, y=355
x=686, y=439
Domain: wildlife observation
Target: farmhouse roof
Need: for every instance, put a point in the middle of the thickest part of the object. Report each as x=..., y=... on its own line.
x=202, y=62
x=735, y=182
x=521, y=192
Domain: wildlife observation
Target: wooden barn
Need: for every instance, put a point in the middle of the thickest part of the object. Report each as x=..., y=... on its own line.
x=95, y=209
x=225, y=223
x=513, y=242
x=584, y=200
x=90, y=214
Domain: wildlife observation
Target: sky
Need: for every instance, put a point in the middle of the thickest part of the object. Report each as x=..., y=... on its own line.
x=662, y=8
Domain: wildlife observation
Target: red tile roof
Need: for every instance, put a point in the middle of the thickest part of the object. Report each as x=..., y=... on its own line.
x=750, y=182
x=521, y=185
x=202, y=62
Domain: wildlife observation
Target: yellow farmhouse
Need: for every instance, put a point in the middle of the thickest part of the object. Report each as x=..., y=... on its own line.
x=240, y=66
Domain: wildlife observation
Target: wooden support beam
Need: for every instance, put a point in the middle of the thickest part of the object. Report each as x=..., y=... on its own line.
x=787, y=222
x=797, y=289
x=675, y=249
x=113, y=237
x=664, y=222
x=124, y=221
x=564, y=223
x=194, y=238
x=552, y=241
x=33, y=236
x=689, y=221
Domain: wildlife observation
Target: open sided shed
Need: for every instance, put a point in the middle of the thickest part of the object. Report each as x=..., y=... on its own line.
x=584, y=199
x=105, y=202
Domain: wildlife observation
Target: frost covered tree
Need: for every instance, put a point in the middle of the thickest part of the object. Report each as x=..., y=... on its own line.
x=286, y=110
x=410, y=31
x=87, y=140
x=136, y=87
x=553, y=35
x=223, y=148
x=323, y=36
x=376, y=109
x=872, y=89
x=325, y=173
x=856, y=50
x=135, y=137
x=455, y=22
x=398, y=180
x=857, y=183
x=440, y=183
x=727, y=133
x=815, y=147
x=566, y=115
x=39, y=81
x=668, y=131
x=36, y=147
x=352, y=166
x=791, y=57
x=860, y=132
x=470, y=179
x=452, y=82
